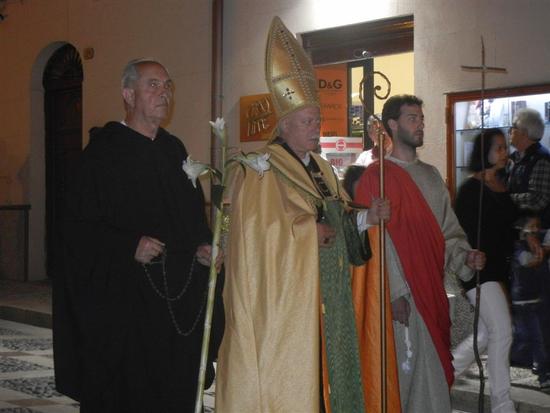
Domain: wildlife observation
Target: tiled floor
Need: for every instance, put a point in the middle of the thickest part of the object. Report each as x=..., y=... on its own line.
x=27, y=375
x=26, y=372
x=26, y=364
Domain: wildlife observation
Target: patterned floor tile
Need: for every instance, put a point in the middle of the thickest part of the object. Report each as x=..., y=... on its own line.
x=13, y=354
x=10, y=332
x=32, y=402
x=58, y=409
x=43, y=387
x=7, y=394
x=26, y=344
x=11, y=364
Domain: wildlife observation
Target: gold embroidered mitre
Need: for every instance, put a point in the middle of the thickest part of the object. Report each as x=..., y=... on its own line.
x=288, y=71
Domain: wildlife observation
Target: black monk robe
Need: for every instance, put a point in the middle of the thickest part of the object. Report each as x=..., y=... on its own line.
x=115, y=344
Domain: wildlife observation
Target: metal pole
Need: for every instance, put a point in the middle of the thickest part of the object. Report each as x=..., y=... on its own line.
x=381, y=238
x=483, y=69
x=382, y=279
x=480, y=404
x=216, y=99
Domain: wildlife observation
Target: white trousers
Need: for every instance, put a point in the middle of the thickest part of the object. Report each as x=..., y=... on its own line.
x=495, y=337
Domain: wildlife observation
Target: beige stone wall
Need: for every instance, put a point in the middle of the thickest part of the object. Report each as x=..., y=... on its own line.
x=176, y=32
x=399, y=68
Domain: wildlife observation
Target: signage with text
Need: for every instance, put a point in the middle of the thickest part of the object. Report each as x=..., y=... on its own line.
x=257, y=117
x=333, y=96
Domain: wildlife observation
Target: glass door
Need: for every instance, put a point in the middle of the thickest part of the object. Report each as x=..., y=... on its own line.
x=464, y=118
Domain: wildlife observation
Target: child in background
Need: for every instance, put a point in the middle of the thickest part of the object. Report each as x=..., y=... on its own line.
x=527, y=276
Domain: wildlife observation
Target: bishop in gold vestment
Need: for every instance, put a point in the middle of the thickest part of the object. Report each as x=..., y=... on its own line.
x=290, y=342
x=270, y=356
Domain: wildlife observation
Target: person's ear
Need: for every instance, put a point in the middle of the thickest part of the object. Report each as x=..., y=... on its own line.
x=283, y=125
x=392, y=123
x=129, y=96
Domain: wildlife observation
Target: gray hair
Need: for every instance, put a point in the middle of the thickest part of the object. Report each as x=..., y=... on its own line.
x=531, y=122
x=130, y=74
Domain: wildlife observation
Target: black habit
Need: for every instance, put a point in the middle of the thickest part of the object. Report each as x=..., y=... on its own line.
x=116, y=346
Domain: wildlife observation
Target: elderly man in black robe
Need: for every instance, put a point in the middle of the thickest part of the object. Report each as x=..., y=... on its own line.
x=129, y=307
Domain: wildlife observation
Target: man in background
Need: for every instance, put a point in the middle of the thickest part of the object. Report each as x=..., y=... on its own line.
x=529, y=187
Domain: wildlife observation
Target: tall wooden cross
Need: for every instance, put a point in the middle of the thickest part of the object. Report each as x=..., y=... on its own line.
x=484, y=69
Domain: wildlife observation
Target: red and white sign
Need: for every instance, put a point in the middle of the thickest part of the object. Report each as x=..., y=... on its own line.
x=341, y=144
x=341, y=151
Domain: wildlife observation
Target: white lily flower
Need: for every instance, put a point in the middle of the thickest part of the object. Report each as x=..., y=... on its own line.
x=218, y=127
x=194, y=169
x=256, y=161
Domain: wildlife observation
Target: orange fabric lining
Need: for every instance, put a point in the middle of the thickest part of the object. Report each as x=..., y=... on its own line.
x=420, y=245
x=324, y=364
x=366, y=292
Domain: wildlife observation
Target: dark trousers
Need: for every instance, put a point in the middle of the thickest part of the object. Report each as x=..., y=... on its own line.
x=528, y=347
x=544, y=313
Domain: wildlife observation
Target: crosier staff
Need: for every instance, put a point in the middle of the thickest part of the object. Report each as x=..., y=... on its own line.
x=382, y=252
x=381, y=237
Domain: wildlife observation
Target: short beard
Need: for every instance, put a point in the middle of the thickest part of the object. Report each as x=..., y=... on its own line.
x=407, y=139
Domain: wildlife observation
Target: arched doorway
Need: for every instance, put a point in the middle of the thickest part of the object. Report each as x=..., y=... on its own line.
x=62, y=81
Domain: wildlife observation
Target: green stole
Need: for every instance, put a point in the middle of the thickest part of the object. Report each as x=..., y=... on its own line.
x=342, y=348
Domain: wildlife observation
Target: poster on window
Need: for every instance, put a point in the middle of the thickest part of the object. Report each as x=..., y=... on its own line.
x=333, y=96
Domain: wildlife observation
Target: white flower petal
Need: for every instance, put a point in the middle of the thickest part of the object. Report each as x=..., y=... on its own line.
x=218, y=127
x=256, y=161
x=194, y=169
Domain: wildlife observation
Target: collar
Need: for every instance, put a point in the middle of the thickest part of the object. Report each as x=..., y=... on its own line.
x=518, y=156
x=401, y=162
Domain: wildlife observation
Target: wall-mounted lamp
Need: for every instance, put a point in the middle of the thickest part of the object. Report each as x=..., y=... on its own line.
x=89, y=53
x=362, y=54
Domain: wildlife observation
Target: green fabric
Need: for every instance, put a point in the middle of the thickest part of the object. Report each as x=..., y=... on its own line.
x=358, y=248
x=346, y=390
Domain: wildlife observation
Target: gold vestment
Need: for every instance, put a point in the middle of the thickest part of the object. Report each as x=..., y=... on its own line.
x=269, y=360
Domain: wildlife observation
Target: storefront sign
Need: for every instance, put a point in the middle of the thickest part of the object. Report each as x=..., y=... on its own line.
x=341, y=151
x=257, y=117
x=333, y=95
